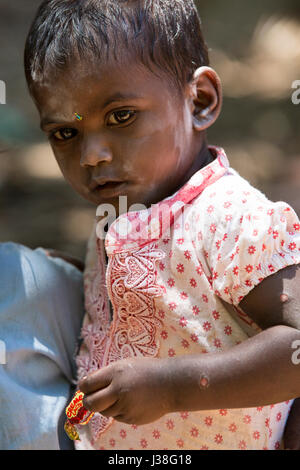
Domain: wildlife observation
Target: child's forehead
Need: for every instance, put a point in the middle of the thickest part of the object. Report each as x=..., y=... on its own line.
x=83, y=87
x=102, y=80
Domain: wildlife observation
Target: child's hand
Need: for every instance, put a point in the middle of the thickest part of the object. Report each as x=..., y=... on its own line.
x=133, y=391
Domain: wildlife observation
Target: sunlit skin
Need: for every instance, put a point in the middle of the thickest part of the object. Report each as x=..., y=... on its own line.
x=154, y=142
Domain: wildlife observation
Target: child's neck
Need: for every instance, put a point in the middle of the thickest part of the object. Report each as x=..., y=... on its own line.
x=204, y=157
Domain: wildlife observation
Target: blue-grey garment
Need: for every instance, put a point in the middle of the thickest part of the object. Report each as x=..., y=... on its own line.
x=41, y=310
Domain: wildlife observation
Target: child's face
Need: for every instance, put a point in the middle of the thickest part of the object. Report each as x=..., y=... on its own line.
x=135, y=137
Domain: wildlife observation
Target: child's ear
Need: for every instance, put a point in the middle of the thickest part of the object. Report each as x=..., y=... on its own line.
x=205, y=92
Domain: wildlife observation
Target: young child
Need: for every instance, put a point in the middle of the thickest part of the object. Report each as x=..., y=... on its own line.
x=192, y=323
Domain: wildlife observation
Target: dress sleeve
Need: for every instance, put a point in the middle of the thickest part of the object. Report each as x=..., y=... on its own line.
x=244, y=245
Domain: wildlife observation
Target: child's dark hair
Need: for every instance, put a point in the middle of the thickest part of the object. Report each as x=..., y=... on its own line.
x=164, y=33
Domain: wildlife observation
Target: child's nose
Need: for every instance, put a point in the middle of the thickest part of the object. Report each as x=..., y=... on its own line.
x=95, y=152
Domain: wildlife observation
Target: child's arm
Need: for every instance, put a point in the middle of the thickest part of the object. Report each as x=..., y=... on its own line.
x=257, y=372
x=271, y=290
x=276, y=300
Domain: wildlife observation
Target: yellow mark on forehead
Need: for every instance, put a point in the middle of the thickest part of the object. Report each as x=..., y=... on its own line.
x=78, y=117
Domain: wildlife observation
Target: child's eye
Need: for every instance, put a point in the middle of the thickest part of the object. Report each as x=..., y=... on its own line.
x=120, y=117
x=64, y=134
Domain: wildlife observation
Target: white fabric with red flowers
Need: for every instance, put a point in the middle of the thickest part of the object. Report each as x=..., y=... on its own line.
x=175, y=276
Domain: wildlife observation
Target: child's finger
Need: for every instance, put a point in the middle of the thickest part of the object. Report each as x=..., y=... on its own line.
x=96, y=381
x=100, y=401
x=113, y=411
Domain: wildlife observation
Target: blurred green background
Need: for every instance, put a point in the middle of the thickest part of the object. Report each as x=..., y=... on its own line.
x=255, y=48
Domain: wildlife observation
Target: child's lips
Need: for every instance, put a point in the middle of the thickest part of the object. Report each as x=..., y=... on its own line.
x=102, y=181
x=108, y=188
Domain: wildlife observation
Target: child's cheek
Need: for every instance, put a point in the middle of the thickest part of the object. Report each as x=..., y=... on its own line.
x=67, y=165
x=61, y=159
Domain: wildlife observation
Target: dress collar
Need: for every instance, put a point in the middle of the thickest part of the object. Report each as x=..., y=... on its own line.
x=132, y=230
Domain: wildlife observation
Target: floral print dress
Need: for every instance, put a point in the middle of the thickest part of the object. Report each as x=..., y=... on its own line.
x=176, y=274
